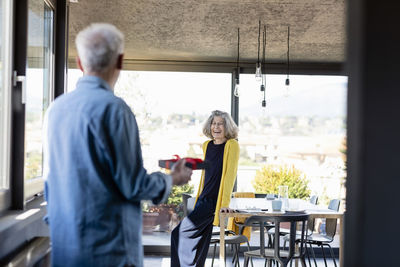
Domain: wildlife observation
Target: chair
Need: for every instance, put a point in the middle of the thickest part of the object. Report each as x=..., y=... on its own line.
x=232, y=239
x=236, y=224
x=188, y=204
x=238, y=232
x=322, y=240
x=283, y=256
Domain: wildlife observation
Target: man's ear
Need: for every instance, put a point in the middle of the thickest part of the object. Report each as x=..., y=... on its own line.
x=120, y=61
x=78, y=61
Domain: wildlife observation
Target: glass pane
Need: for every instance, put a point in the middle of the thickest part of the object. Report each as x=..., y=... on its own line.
x=170, y=108
x=38, y=83
x=301, y=133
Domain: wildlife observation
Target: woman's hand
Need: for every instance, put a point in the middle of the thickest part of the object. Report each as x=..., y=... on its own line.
x=227, y=210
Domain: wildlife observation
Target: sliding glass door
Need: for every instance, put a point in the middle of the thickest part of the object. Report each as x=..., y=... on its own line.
x=39, y=82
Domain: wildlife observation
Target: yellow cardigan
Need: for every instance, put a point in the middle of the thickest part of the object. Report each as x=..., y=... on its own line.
x=229, y=172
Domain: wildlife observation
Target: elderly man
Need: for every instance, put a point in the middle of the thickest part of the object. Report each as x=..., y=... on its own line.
x=94, y=171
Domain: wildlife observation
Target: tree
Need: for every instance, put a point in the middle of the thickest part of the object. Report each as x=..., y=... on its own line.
x=269, y=177
x=175, y=197
x=138, y=99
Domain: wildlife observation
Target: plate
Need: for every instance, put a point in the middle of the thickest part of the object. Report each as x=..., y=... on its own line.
x=249, y=210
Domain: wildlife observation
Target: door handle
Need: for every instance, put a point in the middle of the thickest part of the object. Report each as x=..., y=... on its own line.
x=21, y=79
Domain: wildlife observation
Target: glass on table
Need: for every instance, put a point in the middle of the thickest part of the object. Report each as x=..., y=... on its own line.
x=283, y=194
x=283, y=191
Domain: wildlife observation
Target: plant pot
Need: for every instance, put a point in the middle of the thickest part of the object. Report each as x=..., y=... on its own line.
x=165, y=212
x=149, y=221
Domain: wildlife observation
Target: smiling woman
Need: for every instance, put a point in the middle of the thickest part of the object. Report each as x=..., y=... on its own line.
x=170, y=108
x=191, y=238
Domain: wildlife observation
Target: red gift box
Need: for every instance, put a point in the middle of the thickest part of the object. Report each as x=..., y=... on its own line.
x=193, y=163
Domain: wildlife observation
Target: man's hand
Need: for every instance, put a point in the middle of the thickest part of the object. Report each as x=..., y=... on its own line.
x=180, y=173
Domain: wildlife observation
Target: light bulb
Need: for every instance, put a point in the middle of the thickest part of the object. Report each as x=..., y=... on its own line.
x=258, y=72
x=287, y=83
x=262, y=91
x=236, y=92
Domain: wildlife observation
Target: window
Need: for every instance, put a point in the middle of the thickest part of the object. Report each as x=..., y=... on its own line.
x=170, y=108
x=5, y=101
x=39, y=88
x=304, y=127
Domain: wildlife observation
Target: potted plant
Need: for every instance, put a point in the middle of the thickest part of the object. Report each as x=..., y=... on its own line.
x=171, y=212
x=149, y=218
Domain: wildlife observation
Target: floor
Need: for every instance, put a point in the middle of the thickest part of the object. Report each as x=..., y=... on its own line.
x=156, y=261
x=162, y=239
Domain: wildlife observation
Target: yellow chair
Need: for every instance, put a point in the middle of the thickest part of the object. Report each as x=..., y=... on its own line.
x=234, y=222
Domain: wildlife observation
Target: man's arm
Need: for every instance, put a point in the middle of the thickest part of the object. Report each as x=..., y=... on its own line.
x=127, y=168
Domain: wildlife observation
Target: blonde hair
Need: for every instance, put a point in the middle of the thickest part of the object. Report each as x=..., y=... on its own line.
x=231, y=129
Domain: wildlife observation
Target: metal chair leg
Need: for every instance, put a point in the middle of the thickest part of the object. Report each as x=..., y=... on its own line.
x=308, y=254
x=313, y=254
x=323, y=254
x=225, y=253
x=332, y=255
x=248, y=249
x=215, y=248
x=233, y=248
x=246, y=261
x=270, y=245
x=236, y=255
x=303, y=262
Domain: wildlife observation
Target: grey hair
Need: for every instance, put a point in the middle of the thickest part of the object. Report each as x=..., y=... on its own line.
x=231, y=129
x=99, y=46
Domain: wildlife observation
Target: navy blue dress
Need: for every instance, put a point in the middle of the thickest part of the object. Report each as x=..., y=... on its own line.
x=190, y=240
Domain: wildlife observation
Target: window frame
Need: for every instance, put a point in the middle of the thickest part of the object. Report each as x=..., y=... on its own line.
x=34, y=186
x=7, y=52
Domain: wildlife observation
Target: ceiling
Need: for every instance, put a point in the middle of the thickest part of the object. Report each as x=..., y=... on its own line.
x=206, y=30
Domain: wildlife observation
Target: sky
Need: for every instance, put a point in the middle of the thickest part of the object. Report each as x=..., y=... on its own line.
x=179, y=92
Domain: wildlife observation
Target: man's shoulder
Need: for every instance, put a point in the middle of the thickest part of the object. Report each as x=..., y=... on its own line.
x=83, y=106
x=100, y=98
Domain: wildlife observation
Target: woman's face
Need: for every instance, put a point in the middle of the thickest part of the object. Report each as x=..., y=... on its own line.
x=218, y=128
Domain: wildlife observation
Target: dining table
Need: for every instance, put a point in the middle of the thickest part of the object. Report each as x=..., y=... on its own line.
x=246, y=207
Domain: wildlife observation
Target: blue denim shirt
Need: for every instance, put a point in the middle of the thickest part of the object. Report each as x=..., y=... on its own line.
x=95, y=178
